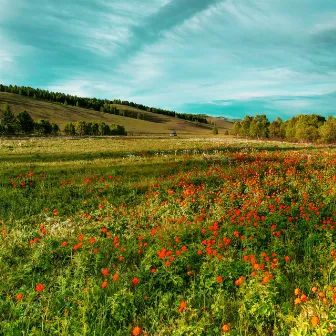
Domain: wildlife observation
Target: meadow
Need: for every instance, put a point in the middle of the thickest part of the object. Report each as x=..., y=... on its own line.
x=156, y=236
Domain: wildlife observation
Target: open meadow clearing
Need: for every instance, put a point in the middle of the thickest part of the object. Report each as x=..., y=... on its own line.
x=154, y=236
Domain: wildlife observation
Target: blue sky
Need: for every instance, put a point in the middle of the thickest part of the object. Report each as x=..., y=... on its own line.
x=218, y=57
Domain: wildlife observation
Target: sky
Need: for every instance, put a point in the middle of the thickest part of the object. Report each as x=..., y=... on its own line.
x=226, y=58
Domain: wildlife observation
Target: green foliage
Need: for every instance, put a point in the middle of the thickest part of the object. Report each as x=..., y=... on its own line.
x=300, y=128
x=245, y=126
x=259, y=126
x=231, y=239
x=43, y=127
x=93, y=128
x=328, y=130
x=276, y=129
x=215, y=130
x=24, y=123
x=8, y=120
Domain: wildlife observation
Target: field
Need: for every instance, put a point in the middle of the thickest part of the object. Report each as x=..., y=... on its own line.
x=154, y=123
x=153, y=236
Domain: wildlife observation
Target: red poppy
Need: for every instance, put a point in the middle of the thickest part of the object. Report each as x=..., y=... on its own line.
x=39, y=287
x=105, y=272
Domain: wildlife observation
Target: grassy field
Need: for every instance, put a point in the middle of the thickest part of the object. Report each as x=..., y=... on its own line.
x=153, y=236
x=154, y=123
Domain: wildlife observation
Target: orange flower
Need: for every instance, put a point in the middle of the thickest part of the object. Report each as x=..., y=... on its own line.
x=104, y=284
x=19, y=297
x=135, y=281
x=321, y=295
x=297, y=291
x=315, y=321
x=297, y=301
x=219, y=279
x=115, y=277
x=105, y=272
x=64, y=244
x=287, y=258
x=314, y=289
x=226, y=328
x=183, y=306
x=136, y=331
x=39, y=287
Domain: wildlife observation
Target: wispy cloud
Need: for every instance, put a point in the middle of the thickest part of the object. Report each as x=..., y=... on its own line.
x=204, y=56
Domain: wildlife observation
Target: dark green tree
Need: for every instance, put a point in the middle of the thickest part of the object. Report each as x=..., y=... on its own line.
x=43, y=127
x=24, y=123
x=70, y=129
x=8, y=120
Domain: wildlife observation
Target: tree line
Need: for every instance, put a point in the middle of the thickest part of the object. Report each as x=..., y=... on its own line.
x=311, y=127
x=102, y=105
x=93, y=128
x=23, y=123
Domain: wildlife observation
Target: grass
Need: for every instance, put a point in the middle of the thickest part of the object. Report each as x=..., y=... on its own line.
x=208, y=236
x=154, y=123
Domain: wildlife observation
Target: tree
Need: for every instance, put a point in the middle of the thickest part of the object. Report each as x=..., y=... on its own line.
x=24, y=123
x=43, y=127
x=117, y=130
x=245, y=126
x=276, y=129
x=328, y=130
x=55, y=129
x=8, y=120
x=215, y=130
x=70, y=129
x=80, y=127
x=307, y=127
x=236, y=129
x=259, y=126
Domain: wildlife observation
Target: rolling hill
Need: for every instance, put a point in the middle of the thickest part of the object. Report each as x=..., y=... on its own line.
x=153, y=123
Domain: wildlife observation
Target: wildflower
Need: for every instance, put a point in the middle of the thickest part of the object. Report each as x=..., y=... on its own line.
x=287, y=258
x=39, y=287
x=183, y=306
x=297, y=291
x=19, y=297
x=314, y=289
x=105, y=272
x=64, y=244
x=115, y=277
x=136, y=331
x=304, y=297
x=297, y=301
x=104, y=284
x=315, y=321
x=219, y=279
x=226, y=328
x=135, y=281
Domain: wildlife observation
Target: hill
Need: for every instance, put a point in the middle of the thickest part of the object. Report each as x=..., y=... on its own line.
x=153, y=123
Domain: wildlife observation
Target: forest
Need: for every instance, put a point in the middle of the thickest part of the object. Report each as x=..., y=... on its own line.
x=102, y=105
x=23, y=124
x=304, y=127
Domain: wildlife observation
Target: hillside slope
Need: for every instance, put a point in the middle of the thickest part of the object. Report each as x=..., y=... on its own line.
x=60, y=114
